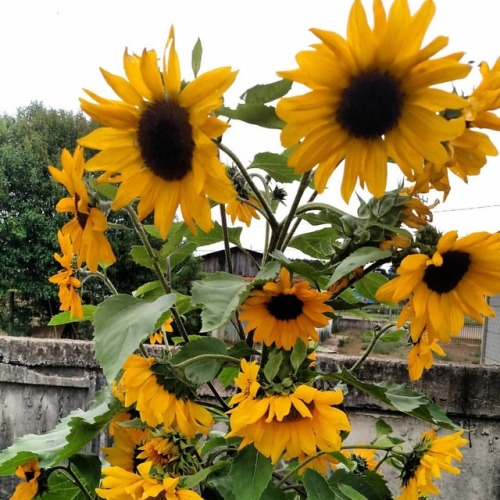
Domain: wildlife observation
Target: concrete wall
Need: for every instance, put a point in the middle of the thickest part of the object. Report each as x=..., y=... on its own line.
x=490, y=352
x=42, y=380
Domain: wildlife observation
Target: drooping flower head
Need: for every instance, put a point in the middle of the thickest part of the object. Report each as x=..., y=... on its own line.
x=372, y=97
x=87, y=228
x=33, y=481
x=68, y=283
x=443, y=288
x=282, y=312
x=156, y=405
x=298, y=424
x=246, y=381
x=429, y=457
x=421, y=356
x=157, y=139
x=243, y=210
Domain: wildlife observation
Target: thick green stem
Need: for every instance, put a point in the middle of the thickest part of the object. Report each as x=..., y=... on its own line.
x=201, y=357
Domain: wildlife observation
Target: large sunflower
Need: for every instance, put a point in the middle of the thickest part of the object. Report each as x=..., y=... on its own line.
x=443, y=288
x=157, y=140
x=430, y=456
x=371, y=98
x=87, y=227
x=156, y=405
x=294, y=425
x=282, y=312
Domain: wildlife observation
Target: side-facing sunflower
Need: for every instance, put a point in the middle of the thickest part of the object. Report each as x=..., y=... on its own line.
x=443, y=288
x=295, y=425
x=371, y=98
x=87, y=228
x=430, y=456
x=243, y=210
x=155, y=404
x=157, y=141
x=33, y=481
x=282, y=312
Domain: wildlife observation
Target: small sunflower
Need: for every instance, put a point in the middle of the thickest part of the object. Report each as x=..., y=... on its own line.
x=293, y=425
x=396, y=241
x=443, y=288
x=68, y=283
x=415, y=213
x=429, y=457
x=31, y=476
x=243, y=210
x=365, y=458
x=372, y=97
x=158, y=336
x=157, y=141
x=246, y=381
x=143, y=387
x=87, y=228
x=420, y=356
x=282, y=312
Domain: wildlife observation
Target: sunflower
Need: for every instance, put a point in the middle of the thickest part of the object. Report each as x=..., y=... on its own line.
x=68, y=283
x=420, y=356
x=364, y=458
x=87, y=228
x=158, y=336
x=282, y=312
x=415, y=213
x=429, y=457
x=396, y=241
x=143, y=387
x=243, y=210
x=246, y=381
x=372, y=98
x=443, y=288
x=293, y=425
x=157, y=141
x=31, y=476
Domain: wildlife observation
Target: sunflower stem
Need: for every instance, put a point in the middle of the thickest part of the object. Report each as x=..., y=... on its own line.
x=201, y=357
x=371, y=345
x=106, y=281
x=293, y=471
x=282, y=237
x=267, y=209
x=74, y=478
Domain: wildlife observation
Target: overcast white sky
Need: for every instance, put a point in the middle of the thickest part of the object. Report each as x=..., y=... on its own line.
x=51, y=49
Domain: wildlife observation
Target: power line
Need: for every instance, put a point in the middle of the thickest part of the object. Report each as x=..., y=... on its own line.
x=467, y=208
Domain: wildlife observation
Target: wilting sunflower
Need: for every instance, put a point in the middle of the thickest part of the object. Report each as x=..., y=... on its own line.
x=294, y=425
x=30, y=487
x=86, y=229
x=143, y=387
x=157, y=140
x=443, y=288
x=371, y=98
x=282, y=312
x=243, y=210
x=420, y=356
x=429, y=457
x=416, y=213
x=246, y=381
x=396, y=241
x=68, y=283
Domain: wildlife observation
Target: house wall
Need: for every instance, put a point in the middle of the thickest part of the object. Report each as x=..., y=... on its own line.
x=490, y=352
x=42, y=380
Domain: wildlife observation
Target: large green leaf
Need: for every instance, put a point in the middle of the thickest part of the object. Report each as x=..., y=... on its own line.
x=276, y=166
x=268, y=92
x=204, y=370
x=256, y=114
x=251, y=472
x=317, y=488
x=321, y=244
x=89, y=468
x=366, y=486
x=358, y=258
x=61, y=487
x=64, y=317
x=400, y=396
x=216, y=235
x=121, y=323
x=368, y=285
x=66, y=439
x=219, y=295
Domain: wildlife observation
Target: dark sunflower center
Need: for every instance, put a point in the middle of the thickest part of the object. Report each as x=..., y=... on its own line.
x=165, y=137
x=371, y=105
x=285, y=307
x=444, y=278
x=80, y=216
x=294, y=415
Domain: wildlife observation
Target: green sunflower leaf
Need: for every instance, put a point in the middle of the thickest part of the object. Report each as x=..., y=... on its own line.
x=276, y=166
x=317, y=487
x=219, y=295
x=61, y=486
x=268, y=92
x=89, y=468
x=196, y=54
x=366, y=486
x=255, y=114
x=73, y=433
x=64, y=317
x=358, y=258
x=121, y=323
x=251, y=472
x=216, y=235
x=321, y=244
x=368, y=285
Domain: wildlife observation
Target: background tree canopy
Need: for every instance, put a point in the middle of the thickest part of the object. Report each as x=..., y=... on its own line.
x=29, y=142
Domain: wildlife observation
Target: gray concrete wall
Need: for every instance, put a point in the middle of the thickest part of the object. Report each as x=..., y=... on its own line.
x=42, y=380
x=490, y=352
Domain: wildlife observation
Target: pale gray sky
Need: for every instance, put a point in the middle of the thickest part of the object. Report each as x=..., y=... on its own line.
x=52, y=49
